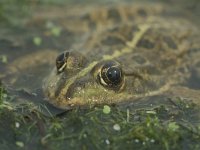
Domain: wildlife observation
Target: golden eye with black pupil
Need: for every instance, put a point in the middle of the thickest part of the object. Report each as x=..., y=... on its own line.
x=111, y=76
x=61, y=61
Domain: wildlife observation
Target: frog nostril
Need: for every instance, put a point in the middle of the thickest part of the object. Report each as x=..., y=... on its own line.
x=61, y=61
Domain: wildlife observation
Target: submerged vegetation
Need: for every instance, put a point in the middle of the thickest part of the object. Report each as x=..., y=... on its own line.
x=100, y=127
x=8, y=9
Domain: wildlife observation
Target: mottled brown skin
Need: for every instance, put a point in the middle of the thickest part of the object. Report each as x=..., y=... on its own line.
x=151, y=49
x=155, y=51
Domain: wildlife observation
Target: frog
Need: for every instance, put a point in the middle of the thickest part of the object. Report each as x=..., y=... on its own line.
x=121, y=53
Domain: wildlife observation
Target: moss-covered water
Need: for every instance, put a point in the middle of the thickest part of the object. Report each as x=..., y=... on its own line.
x=23, y=127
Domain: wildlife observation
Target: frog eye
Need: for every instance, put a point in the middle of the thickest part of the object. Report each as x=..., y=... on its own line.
x=61, y=61
x=111, y=76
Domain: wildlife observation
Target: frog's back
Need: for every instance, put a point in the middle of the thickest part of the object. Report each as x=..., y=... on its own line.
x=153, y=40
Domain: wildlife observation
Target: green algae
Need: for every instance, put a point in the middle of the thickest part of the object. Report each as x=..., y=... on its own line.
x=25, y=128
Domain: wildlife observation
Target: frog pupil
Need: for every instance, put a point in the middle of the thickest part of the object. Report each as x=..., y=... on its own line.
x=61, y=61
x=114, y=75
x=60, y=58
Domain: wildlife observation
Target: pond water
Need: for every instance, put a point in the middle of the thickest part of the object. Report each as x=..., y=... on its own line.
x=38, y=32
